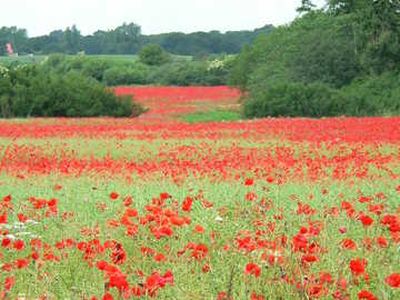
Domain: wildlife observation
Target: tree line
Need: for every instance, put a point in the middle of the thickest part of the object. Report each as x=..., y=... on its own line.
x=127, y=39
x=343, y=59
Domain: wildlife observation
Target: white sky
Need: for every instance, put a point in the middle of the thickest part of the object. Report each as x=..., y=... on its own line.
x=40, y=17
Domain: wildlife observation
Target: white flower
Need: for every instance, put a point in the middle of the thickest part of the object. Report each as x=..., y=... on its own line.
x=219, y=219
x=11, y=237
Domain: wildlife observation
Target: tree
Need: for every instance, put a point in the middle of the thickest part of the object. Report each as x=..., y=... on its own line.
x=16, y=36
x=153, y=55
x=72, y=39
x=343, y=60
x=306, y=6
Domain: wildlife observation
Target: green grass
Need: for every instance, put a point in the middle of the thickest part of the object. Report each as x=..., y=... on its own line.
x=212, y=116
x=6, y=60
x=113, y=59
x=72, y=278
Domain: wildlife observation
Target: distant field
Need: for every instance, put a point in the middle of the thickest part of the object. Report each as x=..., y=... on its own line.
x=5, y=60
x=26, y=59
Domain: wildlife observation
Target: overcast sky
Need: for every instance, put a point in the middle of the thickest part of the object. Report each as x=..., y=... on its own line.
x=154, y=16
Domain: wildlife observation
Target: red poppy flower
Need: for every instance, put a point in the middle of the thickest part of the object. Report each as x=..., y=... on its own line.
x=187, y=204
x=349, y=244
x=357, y=266
x=366, y=295
x=252, y=269
x=366, y=220
x=19, y=245
x=254, y=296
x=107, y=296
x=199, y=229
x=382, y=242
x=3, y=218
x=118, y=280
x=21, y=263
x=393, y=280
x=249, y=182
x=114, y=196
x=9, y=282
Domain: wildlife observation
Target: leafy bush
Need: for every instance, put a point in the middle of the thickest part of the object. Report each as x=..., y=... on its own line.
x=153, y=55
x=325, y=63
x=294, y=99
x=112, y=72
x=137, y=74
x=31, y=91
x=199, y=72
x=374, y=95
x=368, y=96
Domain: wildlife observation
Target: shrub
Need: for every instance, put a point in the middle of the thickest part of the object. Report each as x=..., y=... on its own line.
x=126, y=75
x=293, y=100
x=32, y=91
x=153, y=55
x=375, y=95
x=368, y=96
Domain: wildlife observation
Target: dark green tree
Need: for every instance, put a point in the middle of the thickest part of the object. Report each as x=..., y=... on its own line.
x=153, y=55
x=306, y=6
x=72, y=39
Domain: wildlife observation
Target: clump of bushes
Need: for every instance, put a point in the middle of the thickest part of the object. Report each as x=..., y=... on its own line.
x=369, y=96
x=154, y=55
x=180, y=71
x=294, y=99
x=126, y=75
x=33, y=91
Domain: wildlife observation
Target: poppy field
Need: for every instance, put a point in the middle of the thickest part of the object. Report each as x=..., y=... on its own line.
x=156, y=208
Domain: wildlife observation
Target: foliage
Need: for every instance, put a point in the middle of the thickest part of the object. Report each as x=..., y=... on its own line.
x=128, y=39
x=344, y=48
x=178, y=71
x=136, y=74
x=28, y=91
x=153, y=55
x=373, y=95
x=294, y=99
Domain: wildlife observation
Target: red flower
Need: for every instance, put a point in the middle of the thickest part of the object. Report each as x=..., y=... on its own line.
x=165, y=196
x=22, y=218
x=107, y=296
x=357, y=266
x=366, y=220
x=254, y=296
x=118, y=280
x=118, y=255
x=382, y=242
x=3, y=218
x=7, y=198
x=199, y=229
x=309, y=258
x=114, y=196
x=21, y=263
x=52, y=203
x=9, y=282
x=349, y=244
x=366, y=295
x=249, y=182
x=393, y=280
x=19, y=245
x=252, y=269
x=6, y=242
x=187, y=204
x=206, y=268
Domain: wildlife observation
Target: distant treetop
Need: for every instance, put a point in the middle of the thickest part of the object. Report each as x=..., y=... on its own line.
x=128, y=39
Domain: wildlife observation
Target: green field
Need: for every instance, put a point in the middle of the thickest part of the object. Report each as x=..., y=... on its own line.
x=113, y=59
